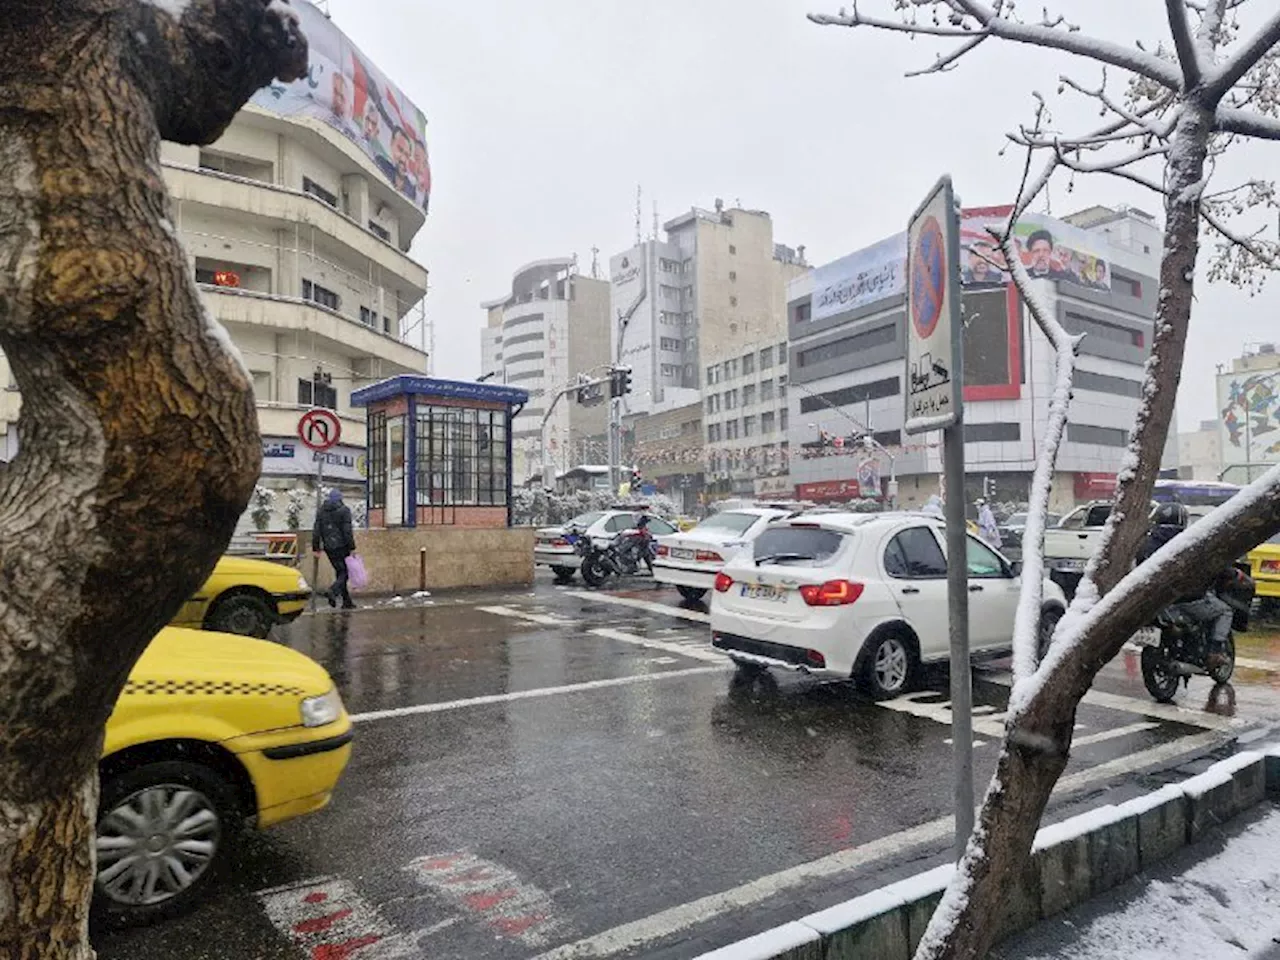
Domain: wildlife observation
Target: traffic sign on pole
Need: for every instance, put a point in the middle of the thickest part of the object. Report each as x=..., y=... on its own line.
x=319, y=430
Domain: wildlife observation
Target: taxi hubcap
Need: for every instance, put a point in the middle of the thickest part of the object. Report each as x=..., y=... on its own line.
x=155, y=844
x=891, y=664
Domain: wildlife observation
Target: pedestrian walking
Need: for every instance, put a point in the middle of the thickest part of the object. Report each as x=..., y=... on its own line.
x=988, y=529
x=334, y=537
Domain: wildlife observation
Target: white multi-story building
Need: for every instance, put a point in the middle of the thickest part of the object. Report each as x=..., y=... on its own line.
x=299, y=243
x=552, y=326
x=847, y=378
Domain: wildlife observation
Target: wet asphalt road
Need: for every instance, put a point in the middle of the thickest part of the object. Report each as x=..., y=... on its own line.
x=547, y=767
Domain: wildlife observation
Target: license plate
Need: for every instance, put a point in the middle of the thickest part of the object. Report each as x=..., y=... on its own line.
x=1072, y=566
x=758, y=591
x=682, y=554
x=1147, y=637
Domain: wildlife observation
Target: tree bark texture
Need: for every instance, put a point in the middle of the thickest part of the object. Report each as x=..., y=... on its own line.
x=1038, y=738
x=138, y=436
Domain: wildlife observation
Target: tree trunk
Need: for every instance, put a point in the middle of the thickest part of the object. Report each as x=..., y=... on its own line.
x=138, y=437
x=1038, y=739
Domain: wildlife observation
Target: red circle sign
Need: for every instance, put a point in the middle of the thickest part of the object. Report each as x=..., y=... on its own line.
x=928, y=278
x=319, y=430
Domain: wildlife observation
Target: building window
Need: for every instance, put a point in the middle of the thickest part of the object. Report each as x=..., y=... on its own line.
x=370, y=319
x=733, y=301
x=670, y=344
x=462, y=457
x=766, y=358
x=804, y=312
x=1126, y=284
x=713, y=433
x=782, y=420
x=731, y=430
x=713, y=374
x=1102, y=436
x=994, y=432
x=379, y=231
x=260, y=170
x=318, y=294
x=766, y=389
x=1114, y=332
x=711, y=403
x=768, y=423
x=317, y=393
x=1102, y=383
x=782, y=354
x=670, y=369
x=386, y=325
x=377, y=460
x=733, y=274
x=748, y=426
x=782, y=387
x=868, y=339
x=731, y=369
x=748, y=394
x=860, y=393
x=732, y=250
x=319, y=192
x=731, y=400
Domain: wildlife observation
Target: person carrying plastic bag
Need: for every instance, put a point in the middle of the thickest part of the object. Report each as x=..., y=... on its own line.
x=334, y=537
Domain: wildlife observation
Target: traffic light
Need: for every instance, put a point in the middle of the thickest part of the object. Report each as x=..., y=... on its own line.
x=619, y=382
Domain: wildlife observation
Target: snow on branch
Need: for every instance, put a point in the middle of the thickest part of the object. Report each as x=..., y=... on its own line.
x=1184, y=43
x=969, y=19
x=1219, y=83
x=1026, y=630
x=1247, y=123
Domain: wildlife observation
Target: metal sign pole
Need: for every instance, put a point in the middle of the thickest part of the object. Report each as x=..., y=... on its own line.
x=315, y=557
x=935, y=401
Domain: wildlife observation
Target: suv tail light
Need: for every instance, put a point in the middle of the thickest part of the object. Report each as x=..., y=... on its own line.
x=663, y=550
x=833, y=593
x=708, y=556
x=723, y=582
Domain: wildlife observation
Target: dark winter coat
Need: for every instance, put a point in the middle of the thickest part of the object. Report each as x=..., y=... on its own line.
x=333, y=533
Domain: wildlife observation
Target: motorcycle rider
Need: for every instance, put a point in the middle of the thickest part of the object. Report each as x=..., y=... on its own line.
x=1203, y=604
x=644, y=536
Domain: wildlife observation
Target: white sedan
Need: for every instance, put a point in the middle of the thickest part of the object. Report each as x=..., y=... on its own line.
x=863, y=597
x=690, y=560
x=552, y=549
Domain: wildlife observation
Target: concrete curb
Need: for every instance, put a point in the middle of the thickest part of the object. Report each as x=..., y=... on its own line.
x=1072, y=861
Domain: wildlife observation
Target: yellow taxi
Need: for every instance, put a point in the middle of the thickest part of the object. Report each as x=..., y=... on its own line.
x=212, y=733
x=1264, y=567
x=247, y=597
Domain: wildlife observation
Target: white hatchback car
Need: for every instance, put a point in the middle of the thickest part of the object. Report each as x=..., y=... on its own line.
x=552, y=549
x=861, y=596
x=690, y=560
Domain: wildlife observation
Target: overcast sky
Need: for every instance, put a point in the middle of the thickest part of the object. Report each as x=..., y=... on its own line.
x=546, y=114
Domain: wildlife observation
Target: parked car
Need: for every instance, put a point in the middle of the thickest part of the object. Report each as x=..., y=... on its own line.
x=863, y=597
x=246, y=597
x=1012, y=529
x=1069, y=545
x=1264, y=567
x=211, y=733
x=551, y=549
x=690, y=561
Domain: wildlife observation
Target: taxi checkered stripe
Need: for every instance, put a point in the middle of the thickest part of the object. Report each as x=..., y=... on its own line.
x=211, y=687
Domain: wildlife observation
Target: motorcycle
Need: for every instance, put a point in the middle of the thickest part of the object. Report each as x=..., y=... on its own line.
x=621, y=556
x=1176, y=647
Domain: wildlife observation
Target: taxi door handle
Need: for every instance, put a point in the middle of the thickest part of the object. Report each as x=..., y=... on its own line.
x=910, y=589
x=975, y=588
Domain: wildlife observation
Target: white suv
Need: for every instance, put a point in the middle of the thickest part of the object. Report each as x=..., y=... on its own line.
x=861, y=596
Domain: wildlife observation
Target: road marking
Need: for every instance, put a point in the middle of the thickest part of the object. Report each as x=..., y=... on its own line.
x=702, y=651
x=529, y=694
x=1250, y=664
x=647, y=605
x=1112, y=734
x=490, y=894
x=542, y=619
x=329, y=920
x=676, y=919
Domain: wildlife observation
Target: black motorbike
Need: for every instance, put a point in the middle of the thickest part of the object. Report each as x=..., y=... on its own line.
x=622, y=556
x=1176, y=647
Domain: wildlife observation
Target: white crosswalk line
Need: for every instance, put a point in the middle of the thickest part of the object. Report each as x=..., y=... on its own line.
x=693, y=650
x=646, y=605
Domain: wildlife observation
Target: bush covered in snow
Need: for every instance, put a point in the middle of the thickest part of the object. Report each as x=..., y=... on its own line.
x=537, y=508
x=294, y=508
x=261, y=505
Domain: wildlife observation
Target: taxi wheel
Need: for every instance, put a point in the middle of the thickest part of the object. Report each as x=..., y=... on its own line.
x=243, y=614
x=164, y=830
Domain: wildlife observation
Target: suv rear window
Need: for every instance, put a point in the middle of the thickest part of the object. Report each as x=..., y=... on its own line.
x=796, y=545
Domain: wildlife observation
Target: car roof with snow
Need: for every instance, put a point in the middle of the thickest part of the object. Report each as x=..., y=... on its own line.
x=847, y=522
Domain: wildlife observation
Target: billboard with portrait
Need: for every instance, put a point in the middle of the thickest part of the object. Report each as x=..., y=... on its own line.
x=1050, y=250
x=344, y=90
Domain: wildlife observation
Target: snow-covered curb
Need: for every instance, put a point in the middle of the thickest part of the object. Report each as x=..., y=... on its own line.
x=1073, y=861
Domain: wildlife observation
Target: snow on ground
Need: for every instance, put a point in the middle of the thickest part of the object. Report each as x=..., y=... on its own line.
x=1217, y=900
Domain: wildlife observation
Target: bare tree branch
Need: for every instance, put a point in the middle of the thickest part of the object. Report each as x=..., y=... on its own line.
x=1219, y=83
x=1117, y=171
x=1247, y=123
x=1160, y=131
x=855, y=19
x=1250, y=244
x=1184, y=43
x=1111, y=166
x=944, y=63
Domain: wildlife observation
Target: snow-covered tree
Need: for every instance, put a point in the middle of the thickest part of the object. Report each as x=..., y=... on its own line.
x=139, y=438
x=262, y=507
x=295, y=506
x=1208, y=83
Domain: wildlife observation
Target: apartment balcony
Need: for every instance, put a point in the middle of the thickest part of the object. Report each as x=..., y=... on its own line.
x=282, y=208
x=334, y=330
